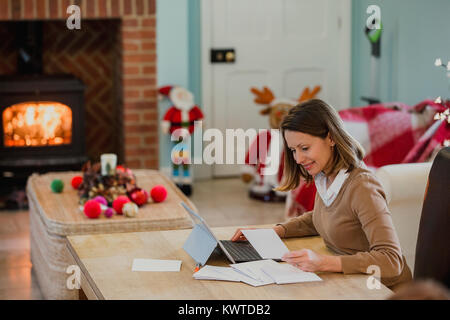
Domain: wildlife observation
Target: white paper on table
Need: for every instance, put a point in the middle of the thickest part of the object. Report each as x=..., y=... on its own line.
x=156, y=265
x=216, y=273
x=253, y=270
x=266, y=242
x=286, y=273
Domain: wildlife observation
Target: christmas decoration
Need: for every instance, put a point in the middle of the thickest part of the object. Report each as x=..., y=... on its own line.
x=119, y=203
x=109, y=212
x=181, y=115
x=92, y=209
x=139, y=196
x=158, y=193
x=130, y=209
x=101, y=200
x=255, y=161
x=110, y=187
x=76, y=182
x=57, y=186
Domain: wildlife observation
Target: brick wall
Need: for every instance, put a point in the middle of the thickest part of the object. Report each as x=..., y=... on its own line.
x=137, y=62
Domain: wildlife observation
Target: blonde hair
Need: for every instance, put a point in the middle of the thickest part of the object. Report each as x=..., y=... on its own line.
x=317, y=118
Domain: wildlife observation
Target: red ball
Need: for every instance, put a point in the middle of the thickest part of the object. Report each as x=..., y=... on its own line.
x=119, y=202
x=139, y=196
x=76, y=182
x=158, y=193
x=92, y=209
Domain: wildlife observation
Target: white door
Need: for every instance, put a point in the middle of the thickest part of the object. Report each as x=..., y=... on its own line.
x=283, y=44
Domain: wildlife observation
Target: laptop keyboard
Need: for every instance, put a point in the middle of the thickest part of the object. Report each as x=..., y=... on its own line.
x=241, y=251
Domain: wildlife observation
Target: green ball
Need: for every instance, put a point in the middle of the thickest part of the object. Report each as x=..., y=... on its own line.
x=57, y=186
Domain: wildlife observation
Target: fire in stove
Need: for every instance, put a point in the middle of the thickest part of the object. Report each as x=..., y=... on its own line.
x=36, y=124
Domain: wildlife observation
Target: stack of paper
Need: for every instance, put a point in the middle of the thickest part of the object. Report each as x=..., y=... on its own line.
x=257, y=273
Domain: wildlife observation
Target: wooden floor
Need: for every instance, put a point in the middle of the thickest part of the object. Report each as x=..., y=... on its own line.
x=221, y=202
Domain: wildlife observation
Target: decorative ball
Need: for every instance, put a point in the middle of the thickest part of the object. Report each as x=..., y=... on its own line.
x=139, y=196
x=92, y=209
x=130, y=209
x=109, y=212
x=101, y=200
x=57, y=186
x=119, y=202
x=158, y=193
x=76, y=182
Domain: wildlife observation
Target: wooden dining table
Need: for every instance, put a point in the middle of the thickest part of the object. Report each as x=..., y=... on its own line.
x=105, y=268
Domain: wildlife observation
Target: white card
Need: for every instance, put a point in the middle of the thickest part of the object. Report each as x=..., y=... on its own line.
x=266, y=242
x=156, y=265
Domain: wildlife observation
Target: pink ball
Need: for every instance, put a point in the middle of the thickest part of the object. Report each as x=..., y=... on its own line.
x=158, y=193
x=92, y=209
x=109, y=212
x=101, y=200
x=119, y=202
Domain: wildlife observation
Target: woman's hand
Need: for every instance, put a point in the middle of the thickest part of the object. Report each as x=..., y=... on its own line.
x=239, y=236
x=310, y=261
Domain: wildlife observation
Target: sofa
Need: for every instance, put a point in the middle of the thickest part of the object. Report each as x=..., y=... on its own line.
x=405, y=186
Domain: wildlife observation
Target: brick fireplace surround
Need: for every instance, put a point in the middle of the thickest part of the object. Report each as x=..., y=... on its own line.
x=134, y=88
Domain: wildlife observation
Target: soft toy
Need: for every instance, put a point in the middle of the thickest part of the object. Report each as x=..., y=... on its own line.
x=181, y=115
x=261, y=185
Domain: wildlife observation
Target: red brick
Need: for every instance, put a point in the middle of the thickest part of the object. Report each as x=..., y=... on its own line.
x=127, y=7
x=131, y=117
x=140, y=7
x=63, y=9
x=139, y=35
x=115, y=8
x=140, y=82
x=4, y=10
x=90, y=8
x=140, y=128
x=41, y=9
x=29, y=9
x=133, y=70
x=133, y=163
x=146, y=46
x=132, y=141
x=151, y=6
x=130, y=46
x=141, y=105
x=53, y=7
x=139, y=58
x=132, y=94
x=149, y=70
x=130, y=22
x=150, y=116
x=16, y=9
x=151, y=164
x=148, y=22
x=151, y=140
x=131, y=151
x=102, y=12
x=150, y=93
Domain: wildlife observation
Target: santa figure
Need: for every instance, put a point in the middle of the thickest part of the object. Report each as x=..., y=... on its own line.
x=181, y=115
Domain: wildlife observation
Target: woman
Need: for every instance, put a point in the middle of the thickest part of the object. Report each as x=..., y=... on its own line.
x=350, y=211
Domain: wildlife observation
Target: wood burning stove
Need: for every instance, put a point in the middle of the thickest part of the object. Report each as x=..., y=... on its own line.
x=41, y=125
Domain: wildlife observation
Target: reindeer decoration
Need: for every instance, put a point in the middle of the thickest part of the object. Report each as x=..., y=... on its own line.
x=261, y=187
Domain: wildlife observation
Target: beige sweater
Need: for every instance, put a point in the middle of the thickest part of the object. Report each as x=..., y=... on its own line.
x=357, y=226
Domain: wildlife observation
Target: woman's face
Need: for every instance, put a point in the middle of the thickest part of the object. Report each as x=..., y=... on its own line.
x=313, y=153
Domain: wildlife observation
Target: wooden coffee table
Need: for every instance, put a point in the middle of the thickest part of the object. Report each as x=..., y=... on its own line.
x=55, y=216
x=105, y=262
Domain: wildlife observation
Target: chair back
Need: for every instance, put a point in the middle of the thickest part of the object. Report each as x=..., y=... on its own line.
x=433, y=241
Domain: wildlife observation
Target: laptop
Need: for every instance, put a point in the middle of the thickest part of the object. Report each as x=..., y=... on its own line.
x=197, y=243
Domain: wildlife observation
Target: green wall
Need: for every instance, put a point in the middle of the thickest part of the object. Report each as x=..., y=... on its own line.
x=415, y=33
